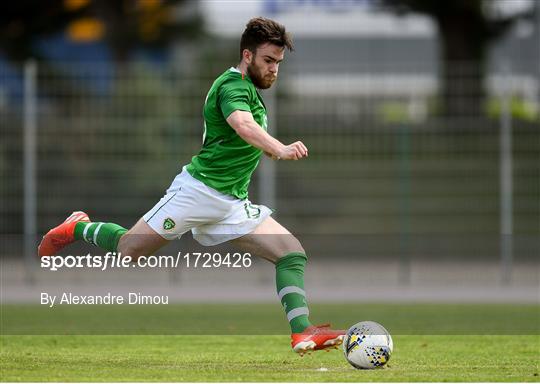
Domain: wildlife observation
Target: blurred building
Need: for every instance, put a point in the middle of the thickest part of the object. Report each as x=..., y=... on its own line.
x=354, y=40
x=392, y=190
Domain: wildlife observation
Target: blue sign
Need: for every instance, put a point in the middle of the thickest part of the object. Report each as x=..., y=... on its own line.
x=282, y=6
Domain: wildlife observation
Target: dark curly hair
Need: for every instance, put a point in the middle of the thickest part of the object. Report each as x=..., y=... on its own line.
x=261, y=30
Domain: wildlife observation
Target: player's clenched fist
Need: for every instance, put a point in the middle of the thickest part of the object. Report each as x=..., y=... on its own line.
x=294, y=151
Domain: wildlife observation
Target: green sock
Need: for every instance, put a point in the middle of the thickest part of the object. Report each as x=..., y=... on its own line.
x=104, y=235
x=290, y=287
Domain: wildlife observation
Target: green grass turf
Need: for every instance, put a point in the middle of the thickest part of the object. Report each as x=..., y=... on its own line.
x=227, y=342
x=260, y=358
x=266, y=319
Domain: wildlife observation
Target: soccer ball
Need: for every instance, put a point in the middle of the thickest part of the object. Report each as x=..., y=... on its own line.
x=367, y=345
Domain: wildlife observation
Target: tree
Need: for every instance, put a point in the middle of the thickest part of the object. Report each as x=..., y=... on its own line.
x=466, y=29
x=124, y=26
x=127, y=24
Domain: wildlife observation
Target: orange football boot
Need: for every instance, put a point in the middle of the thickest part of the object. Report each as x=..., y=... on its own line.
x=62, y=235
x=316, y=337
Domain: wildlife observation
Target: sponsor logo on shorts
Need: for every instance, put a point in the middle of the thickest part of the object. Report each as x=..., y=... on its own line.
x=168, y=224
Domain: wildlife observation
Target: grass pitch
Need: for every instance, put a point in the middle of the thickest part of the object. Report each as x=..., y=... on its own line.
x=447, y=356
x=260, y=358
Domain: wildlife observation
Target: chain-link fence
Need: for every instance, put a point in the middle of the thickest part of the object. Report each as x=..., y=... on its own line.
x=388, y=173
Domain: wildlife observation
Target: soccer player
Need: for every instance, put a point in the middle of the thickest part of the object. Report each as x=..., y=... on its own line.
x=210, y=195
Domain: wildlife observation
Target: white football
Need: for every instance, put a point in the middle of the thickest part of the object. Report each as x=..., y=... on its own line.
x=367, y=345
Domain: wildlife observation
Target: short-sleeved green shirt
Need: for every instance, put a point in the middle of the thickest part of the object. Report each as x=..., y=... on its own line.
x=226, y=162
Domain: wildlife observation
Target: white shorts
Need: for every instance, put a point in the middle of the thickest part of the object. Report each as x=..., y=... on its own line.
x=212, y=216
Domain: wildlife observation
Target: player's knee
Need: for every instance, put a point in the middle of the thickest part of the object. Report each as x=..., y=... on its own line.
x=131, y=249
x=297, y=247
x=290, y=244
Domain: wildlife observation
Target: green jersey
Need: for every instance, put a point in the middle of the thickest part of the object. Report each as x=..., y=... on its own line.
x=226, y=162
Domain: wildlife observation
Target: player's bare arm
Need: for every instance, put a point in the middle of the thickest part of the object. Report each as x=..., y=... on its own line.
x=248, y=129
x=214, y=202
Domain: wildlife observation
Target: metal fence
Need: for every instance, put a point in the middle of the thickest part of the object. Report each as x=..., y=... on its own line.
x=109, y=140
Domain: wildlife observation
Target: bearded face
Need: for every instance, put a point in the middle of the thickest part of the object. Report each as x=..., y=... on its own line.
x=263, y=69
x=259, y=78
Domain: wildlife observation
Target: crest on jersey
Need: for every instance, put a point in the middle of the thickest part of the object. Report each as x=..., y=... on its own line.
x=168, y=224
